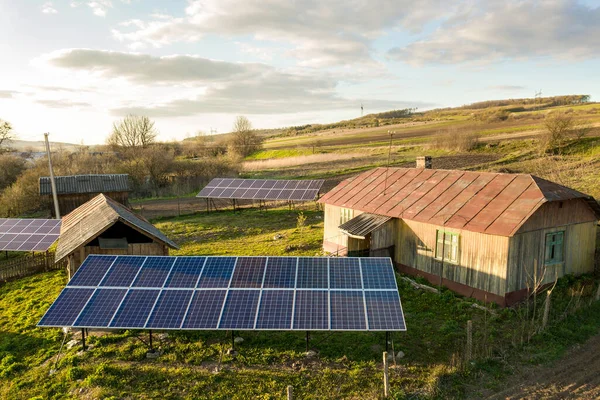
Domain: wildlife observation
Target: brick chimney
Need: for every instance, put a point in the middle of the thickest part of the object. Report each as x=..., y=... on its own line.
x=424, y=162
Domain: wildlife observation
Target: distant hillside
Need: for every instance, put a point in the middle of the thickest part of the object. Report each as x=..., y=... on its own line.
x=36, y=146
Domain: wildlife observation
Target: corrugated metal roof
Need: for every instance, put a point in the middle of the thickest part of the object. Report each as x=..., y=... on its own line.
x=483, y=202
x=363, y=224
x=101, y=183
x=92, y=218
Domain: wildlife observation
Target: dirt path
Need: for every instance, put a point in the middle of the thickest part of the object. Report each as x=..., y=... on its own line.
x=575, y=376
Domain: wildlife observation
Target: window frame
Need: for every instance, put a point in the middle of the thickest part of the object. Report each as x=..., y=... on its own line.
x=449, y=240
x=346, y=214
x=549, y=240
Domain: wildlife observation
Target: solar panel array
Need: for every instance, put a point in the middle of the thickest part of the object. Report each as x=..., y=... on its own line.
x=28, y=234
x=239, y=293
x=262, y=189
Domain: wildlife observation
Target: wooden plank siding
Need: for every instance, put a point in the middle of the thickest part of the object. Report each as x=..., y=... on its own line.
x=482, y=258
x=385, y=236
x=69, y=202
x=528, y=250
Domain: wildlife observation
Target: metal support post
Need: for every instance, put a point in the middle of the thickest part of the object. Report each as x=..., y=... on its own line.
x=307, y=340
x=150, y=340
x=83, y=339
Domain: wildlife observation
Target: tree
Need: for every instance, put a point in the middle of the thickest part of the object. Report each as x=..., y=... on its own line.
x=133, y=132
x=559, y=128
x=6, y=134
x=243, y=140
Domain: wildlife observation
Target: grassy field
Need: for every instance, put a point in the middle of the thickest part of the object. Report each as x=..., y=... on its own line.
x=194, y=365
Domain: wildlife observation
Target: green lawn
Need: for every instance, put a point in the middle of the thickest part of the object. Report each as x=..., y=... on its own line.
x=348, y=365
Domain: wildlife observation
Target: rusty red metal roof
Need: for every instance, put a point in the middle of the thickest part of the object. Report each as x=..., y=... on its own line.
x=485, y=202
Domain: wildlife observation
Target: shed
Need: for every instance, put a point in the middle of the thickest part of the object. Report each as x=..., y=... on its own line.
x=482, y=234
x=74, y=190
x=103, y=226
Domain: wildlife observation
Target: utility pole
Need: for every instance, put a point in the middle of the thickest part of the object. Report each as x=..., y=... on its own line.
x=389, y=160
x=52, y=182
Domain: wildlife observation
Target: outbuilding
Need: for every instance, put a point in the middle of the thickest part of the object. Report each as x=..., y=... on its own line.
x=74, y=190
x=103, y=226
x=492, y=236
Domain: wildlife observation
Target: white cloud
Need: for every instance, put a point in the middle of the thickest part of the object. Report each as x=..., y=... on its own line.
x=322, y=33
x=497, y=30
x=48, y=8
x=98, y=7
x=212, y=86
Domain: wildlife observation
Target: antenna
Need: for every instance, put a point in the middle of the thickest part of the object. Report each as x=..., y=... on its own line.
x=389, y=160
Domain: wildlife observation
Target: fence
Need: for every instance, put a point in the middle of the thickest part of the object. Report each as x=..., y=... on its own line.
x=29, y=264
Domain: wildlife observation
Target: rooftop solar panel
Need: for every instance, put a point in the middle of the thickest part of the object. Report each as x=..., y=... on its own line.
x=240, y=293
x=28, y=234
x=262, y=189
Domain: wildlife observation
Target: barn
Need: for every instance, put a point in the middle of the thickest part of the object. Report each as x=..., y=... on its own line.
x=103, y=226
x=485, y=235
x=74, y=190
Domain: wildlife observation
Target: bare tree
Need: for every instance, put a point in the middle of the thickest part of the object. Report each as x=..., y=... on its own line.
x=133, y=132
x=6, y=134
x=244, y=140
x=559, y=128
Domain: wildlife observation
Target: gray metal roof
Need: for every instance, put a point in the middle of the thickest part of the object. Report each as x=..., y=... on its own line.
x=363, y=224
x=101, y=183
x=89, y=220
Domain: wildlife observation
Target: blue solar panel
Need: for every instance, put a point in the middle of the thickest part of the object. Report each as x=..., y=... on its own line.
x=275, y=311
x=384, y=311
x=311, y=310
x=123, y=271
x=278, y=293
x=135, y=309
x=154, y=273
x=185, y=272
x=312, y=273
x=344, y=273
x=378, y=273
x=281, y=272
x=92, y=270
x=66, y=307
x=347, y=310
x=205, y=309
x=240, y=309
x=100, y=309
x=217, y=272
x=249, y=272
x=170, y=309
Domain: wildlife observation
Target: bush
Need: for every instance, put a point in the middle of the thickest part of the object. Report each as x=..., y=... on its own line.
x=10, y=168
x=454, y=140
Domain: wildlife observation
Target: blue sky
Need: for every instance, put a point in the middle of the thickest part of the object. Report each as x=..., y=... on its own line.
x=73, y=67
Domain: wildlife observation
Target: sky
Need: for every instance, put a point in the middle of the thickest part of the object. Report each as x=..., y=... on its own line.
x=73, y=67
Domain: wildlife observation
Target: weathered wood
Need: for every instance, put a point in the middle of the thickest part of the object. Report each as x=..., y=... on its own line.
x=290, y=392
x=386, y=378
x=28, y=265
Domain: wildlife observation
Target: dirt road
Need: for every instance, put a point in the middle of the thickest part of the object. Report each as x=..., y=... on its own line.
x=575, y=376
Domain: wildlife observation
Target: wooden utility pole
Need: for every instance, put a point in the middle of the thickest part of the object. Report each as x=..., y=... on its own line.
x=52, y=182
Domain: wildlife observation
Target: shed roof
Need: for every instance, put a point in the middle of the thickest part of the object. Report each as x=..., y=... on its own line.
x=363, y=224
x=485, y=202
x=89, y=220
x=100, y=183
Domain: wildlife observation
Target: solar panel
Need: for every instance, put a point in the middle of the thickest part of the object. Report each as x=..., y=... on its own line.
x=262, y=189
x=240, y=293
x=28, y=234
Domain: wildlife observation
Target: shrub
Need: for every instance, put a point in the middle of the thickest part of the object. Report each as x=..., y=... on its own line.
x=454, y=140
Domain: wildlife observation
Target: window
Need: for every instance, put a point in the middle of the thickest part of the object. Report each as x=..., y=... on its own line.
x=346, y=214
x=447, y=246
x=554, y=248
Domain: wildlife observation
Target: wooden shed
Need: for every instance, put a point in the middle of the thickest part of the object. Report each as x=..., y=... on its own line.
x=483, y=235
x=103, y=226
x=74, y=190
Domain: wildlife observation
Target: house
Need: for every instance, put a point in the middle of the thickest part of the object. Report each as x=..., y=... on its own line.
x=485, y=235
x=103, y=226
x=73, y=191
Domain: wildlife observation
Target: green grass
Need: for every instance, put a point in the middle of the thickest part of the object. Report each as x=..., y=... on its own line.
x=348, y=364
x=271, y=154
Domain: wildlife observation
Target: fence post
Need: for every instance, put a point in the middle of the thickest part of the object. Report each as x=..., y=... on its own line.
x=386, y=378
x=546, y=310
x=290, y=392
x=469, y=352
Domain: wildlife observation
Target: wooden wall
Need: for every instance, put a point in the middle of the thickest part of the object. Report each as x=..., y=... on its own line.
x=558, y=213
x=527, y=252
x=385, y=236
x=69, y=202
x=482, y=258
x=333, y=239
x=134, y=249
